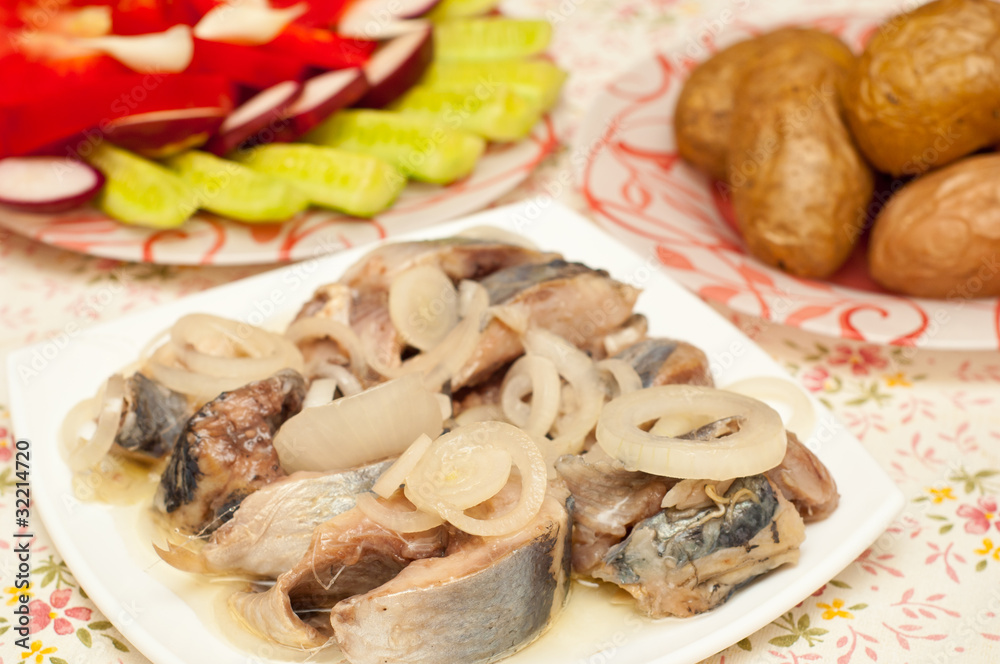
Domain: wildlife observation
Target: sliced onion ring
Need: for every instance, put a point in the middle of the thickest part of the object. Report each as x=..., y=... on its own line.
x=423, y=306
x=400, y=521
x=445, y=479
x=538, y=376
x=780, y=392
x=626, y=377
x=758, y=446
x=84, y=451
x=378, y=423
x=395, y=475
x=315, y=327
x=579, y=371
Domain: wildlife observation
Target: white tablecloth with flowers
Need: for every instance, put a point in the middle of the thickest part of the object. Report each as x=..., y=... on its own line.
x=927, y=591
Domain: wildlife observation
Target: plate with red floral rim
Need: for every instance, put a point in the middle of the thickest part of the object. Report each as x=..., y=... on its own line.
x=639, y=189
x=207, y=239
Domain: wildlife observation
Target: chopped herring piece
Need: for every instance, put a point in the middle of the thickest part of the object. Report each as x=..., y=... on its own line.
x=225, y=452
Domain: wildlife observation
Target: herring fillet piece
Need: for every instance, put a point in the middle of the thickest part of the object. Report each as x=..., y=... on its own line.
x=668, y=362
x=571, y=300
x=348, y=555
x=685, y=562
x=487, y=598
x=152, y=420
x=225, y=452
x=459, y=258
x=274, y=525
x=805, y=481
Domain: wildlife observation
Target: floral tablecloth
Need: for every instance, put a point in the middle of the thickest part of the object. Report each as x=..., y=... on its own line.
x=927, y=591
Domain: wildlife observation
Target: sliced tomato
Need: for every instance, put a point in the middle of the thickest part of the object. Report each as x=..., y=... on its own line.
x=87, y=106
x=246, y=65
x=321, y=48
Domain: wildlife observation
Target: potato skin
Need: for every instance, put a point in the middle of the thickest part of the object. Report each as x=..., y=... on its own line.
x=799, y=185
x=939, y=236
x=704, y=107
x=926, y=89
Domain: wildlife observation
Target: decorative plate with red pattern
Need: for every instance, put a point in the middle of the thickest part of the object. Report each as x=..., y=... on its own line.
x=639, y=189
x=206, y=239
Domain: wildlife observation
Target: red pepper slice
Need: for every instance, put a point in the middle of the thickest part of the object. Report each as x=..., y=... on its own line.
x=321, y=48
x=86, y=106
x=22, y=80
x=321, y=13
x=247, y=65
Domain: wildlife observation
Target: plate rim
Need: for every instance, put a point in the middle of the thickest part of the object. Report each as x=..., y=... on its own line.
x=503, y=217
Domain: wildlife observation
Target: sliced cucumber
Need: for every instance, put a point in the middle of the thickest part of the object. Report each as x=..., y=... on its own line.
x=462, y=8
x=422, y=149
x=360, y=185
x=498, y=114
x=233, y=190
x=141, y=192
x=490, y=39
x=537, y=80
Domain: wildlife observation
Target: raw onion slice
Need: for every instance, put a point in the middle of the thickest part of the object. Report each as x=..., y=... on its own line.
x=625, y=376
x=423, y=306
x=170, y=51
x=47, y=184
x=466, y=464
x=580, y=372
x=487, y=412
x=378, y=423
x=321, y=392
x=315, y=327
x=758, y=446
x=395, y=475
x=347, y=383
x=246, y=24
x=85, y=444
x=795, y=408
x=538, y=376
x=206, y=355
x=397, y=520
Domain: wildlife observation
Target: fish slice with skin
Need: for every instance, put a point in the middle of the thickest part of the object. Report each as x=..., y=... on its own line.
x=485, y=599
x=274, y=526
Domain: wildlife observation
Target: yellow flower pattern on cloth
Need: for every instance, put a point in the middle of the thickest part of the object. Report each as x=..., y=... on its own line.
x=38, y=652
x=938, y=496
x=834, y=610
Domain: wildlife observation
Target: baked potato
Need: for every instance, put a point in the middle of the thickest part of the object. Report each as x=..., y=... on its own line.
x=926, y=89
x=703, y=112
x=799, y=185
x=939, y=236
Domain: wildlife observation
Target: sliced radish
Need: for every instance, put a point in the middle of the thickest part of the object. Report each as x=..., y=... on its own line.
x=383, y=19
x=397, y=66
x=168, y=51
x=246, y=24
x=322, y=96
x=254, y=116
x=160, y=134
x=47, y=184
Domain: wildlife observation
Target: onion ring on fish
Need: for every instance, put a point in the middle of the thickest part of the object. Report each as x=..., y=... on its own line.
x=625, y=376
x=206, y=355
x=423, y=306
x=378, y=423
x=395, y=475
x=321, y=392
x=781, y=392
x=579, y=371
x=85, y=448
x=759, y=445
x=401, y=521
x=537, y=376
x=440, y=363
x=470, y=465
x=487, y=412
x=315, y=327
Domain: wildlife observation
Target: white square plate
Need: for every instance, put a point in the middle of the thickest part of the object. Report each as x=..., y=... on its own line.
x=112, y=558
